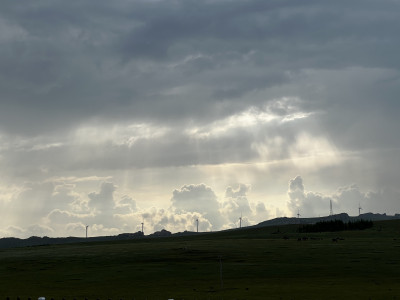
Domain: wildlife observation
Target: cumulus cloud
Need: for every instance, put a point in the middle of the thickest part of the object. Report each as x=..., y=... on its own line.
x=109, y=213
x=34, y=201
x=77, y=229
x=296, y=191
x=103, y=202
x=40, y=230
x=309, y=204
x=12, y=231
x=199, y=202
x=126, y=205
x=158, y=219
x=236, y=204
x=345, y=199
x=351, y=197
x=60, y=207
x=197, y=198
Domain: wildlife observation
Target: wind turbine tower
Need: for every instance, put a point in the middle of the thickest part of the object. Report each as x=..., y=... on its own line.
x=87, y=226
x=197, y=223
x=331, y=209
x=142, y=227
x=240, y=221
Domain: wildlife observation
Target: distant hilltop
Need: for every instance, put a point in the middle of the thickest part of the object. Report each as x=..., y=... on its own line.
x=342, y=217
x=41, y=241
x=33, y=241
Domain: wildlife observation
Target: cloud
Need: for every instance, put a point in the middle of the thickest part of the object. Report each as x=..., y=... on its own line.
x=296, y=193
x=103, y=202
x=135, y=53
x=158, y=219
x=260, y=209
x=35, y=200
x=76, y=229
x=109, y=213
x=351, y=196
x=40, y=230
x=100, y=229
x=345, y=199
x=250, y=135
x=61, y=207
x=199, y=202
x=197, y=198
x=12, y=231
x=57, y=216
x=236, y=204
x=126, y=205
x=308, y=204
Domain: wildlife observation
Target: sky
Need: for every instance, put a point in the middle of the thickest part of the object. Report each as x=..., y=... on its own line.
x=114, y=113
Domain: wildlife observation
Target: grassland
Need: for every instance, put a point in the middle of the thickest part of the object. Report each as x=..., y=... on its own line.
x=256, y=263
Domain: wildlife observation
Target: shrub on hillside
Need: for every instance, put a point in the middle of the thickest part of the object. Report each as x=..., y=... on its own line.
x=336, y=225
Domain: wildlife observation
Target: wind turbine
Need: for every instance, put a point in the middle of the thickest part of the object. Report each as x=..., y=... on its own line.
x=240, y=221
x=87, y=226
x=197, y=223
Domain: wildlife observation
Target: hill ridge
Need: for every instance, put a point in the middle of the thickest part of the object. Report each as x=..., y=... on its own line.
x=12, y=242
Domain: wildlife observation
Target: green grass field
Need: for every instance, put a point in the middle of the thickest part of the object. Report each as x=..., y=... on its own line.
x=256, y=264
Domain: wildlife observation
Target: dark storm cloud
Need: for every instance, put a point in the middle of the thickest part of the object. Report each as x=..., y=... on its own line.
x=65, y=63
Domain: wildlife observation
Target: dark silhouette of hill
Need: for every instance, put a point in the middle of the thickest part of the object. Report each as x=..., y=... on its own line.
x=41, y=241
x=11, y=242
x=341, y=217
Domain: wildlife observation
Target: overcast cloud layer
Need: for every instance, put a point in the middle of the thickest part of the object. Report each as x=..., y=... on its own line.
x=114, y=113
